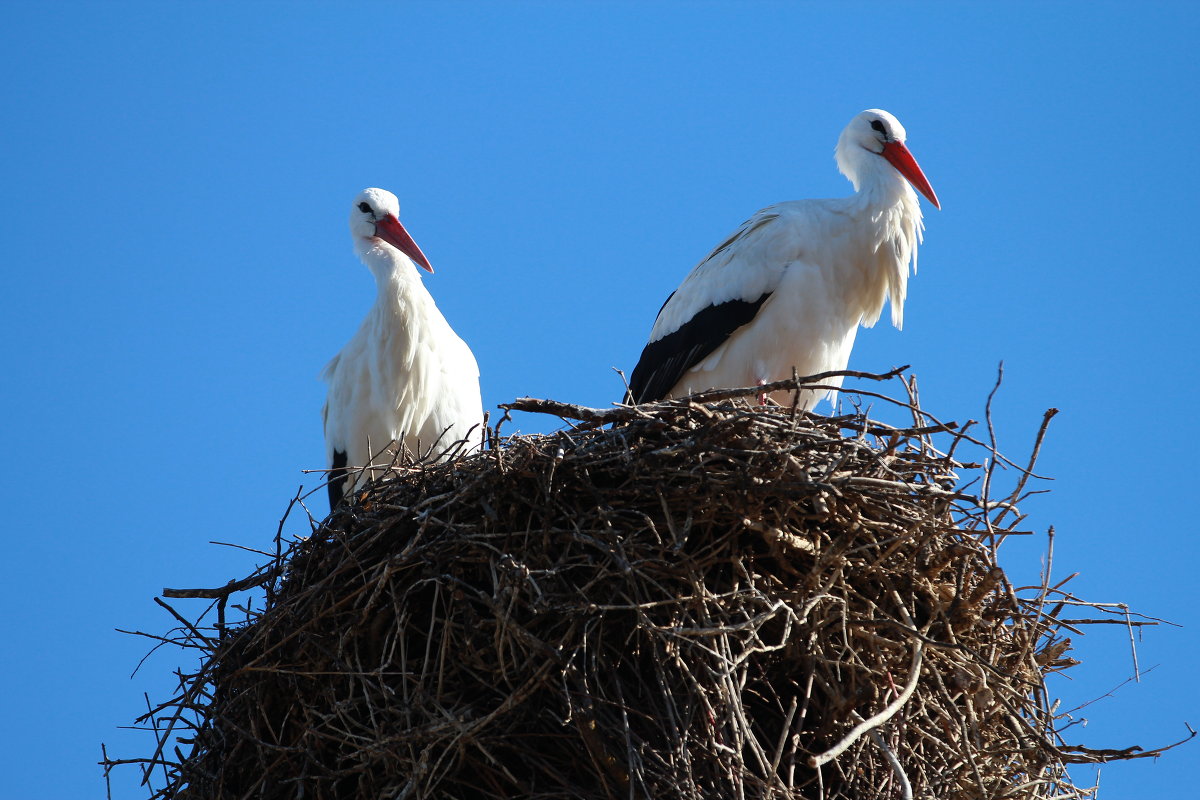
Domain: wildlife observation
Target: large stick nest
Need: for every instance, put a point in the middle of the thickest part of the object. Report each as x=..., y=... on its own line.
x=698, y=601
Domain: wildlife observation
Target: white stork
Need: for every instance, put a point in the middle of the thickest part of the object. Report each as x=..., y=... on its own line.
x=406, y=381
x=788, y=290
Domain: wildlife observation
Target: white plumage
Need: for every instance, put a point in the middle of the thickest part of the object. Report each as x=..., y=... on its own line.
x=788, y=290
x=406, y=381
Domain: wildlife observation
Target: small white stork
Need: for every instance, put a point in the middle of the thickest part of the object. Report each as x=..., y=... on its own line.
x=406, y=381
x=788, y=290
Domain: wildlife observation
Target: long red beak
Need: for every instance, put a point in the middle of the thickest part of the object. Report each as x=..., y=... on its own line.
x=899, y=157
x=391, y=231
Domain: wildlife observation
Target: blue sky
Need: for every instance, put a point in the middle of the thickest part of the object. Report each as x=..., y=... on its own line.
x=176, y=182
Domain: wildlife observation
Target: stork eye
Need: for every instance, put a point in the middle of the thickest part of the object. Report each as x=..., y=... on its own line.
x=877, y=125
x=364, y=207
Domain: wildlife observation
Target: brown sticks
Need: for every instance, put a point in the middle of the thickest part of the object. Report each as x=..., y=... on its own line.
x=682, y=600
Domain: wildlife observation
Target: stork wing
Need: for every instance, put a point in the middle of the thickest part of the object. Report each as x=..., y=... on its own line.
x=337, y=479
x=663, y=362
x=721, y=294
x=335, y=452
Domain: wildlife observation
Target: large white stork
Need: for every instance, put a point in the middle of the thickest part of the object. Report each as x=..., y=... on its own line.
x=788, y=290
x=406, y=380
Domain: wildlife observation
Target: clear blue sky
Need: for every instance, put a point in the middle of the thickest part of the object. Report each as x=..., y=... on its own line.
x=177, y=269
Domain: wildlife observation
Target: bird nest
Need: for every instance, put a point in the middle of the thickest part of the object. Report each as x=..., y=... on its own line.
x=680, y=600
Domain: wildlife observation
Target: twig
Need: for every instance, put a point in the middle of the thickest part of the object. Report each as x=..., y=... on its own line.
x=1033, y=457
x=883, y=716
x=257, y=579
x=906, y=790
x=1087, y=755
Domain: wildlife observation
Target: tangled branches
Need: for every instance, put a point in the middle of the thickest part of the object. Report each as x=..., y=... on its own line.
x=682, y=600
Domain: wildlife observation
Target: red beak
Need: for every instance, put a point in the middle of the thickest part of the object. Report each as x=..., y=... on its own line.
x=899, y=157
x=391, y=231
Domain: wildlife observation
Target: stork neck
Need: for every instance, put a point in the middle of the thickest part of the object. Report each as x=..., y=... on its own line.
x=888, y=222
x=393, y=271
x=880, y=185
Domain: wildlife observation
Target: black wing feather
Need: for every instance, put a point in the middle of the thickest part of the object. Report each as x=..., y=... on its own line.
x=337, y=479
x=663, y=362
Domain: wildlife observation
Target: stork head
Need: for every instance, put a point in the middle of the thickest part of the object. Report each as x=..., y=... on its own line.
x=375, y=217
x=873, y=133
